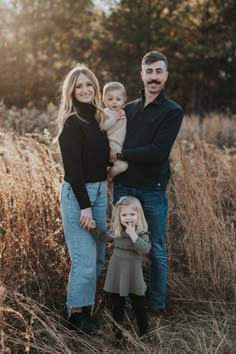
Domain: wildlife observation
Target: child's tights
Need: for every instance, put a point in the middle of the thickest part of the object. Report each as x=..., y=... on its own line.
x=138, y=304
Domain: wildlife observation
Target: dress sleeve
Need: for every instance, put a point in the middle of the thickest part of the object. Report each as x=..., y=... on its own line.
x=101, y=235
x=143, y=245
x=71, y=142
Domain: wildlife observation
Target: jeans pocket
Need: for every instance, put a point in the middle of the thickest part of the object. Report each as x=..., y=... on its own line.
x=71, y=195
x=66, y=192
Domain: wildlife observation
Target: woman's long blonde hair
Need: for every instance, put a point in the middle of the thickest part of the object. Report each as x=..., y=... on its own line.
x=67, y=107
x=134, y=203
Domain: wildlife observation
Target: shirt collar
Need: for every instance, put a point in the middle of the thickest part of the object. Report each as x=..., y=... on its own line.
x=160, y=98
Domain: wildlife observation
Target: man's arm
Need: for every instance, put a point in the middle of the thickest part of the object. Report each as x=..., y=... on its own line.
x=72, y=161
x=162, y=144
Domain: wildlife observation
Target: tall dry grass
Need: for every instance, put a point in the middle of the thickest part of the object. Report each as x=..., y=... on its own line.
x=213, y=128
x=200, y=241
x=27, y=119
x=202, y=225
x=31, y=246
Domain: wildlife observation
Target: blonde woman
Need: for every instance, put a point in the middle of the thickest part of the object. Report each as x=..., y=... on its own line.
x=85, y=155
x=125, y=275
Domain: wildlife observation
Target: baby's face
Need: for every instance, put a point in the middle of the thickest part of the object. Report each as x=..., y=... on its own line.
x=114, y=99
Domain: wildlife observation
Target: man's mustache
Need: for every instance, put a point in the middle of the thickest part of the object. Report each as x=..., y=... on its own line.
x=154, y=82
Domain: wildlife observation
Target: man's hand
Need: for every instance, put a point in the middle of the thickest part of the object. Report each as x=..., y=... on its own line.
x=113, y=157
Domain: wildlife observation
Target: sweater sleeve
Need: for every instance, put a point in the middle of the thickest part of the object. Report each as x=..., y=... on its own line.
x=143, y=245
x=108, y=123
x=71, y=139
x=162, y=144
x=101, y=235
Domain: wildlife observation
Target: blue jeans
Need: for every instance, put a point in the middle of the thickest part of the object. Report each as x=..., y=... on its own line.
x=86, y=253
x=155, y=207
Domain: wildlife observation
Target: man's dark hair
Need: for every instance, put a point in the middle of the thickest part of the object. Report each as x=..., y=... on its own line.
x=153, y=56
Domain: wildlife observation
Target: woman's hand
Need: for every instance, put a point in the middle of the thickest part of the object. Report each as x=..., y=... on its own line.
x=86, y=217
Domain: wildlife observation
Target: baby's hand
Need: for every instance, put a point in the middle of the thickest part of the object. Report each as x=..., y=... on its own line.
x=120, y=115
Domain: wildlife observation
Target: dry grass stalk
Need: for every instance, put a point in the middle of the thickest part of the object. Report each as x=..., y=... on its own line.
x=27, y=119
x=33, y=328
x=31, y=246
x=203, y=217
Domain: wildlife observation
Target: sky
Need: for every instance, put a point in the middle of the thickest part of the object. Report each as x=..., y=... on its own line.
x=101, y=4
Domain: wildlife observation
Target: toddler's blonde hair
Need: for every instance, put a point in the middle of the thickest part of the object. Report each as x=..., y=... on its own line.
x=134, y=203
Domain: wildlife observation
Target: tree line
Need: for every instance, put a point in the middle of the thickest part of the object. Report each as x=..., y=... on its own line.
x=40, y=41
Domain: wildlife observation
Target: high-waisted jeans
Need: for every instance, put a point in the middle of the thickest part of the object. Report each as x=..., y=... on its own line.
x=86, y=253
x=155, y=206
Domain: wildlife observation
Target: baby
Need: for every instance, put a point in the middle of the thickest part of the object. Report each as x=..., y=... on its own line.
x=114, y=97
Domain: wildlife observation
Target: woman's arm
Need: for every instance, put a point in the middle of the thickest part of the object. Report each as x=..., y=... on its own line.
x=70, y=141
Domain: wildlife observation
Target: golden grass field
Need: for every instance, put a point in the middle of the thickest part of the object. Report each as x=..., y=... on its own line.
x=34, y=264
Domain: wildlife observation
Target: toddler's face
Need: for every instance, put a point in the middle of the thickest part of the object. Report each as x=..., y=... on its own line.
x=114, y=99
x=128, y=215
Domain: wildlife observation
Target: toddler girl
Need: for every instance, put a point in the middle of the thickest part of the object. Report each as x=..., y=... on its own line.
x=125, y=276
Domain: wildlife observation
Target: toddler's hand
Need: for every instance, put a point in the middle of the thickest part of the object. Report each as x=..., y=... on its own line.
x=130, y=230
x=91, y=225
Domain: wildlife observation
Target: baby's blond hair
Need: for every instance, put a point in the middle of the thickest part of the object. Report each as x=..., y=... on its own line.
x=113, y=85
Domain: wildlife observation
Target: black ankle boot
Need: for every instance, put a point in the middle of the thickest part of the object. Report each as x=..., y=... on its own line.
x=84, y=322
x=120, y=341
x=144, y=334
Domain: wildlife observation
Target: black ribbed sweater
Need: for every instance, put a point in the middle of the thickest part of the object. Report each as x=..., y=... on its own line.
x=85, y=152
